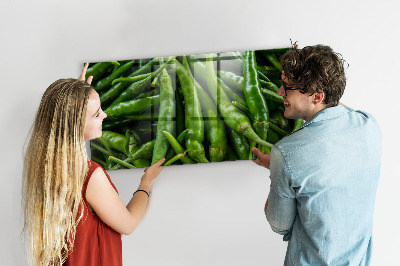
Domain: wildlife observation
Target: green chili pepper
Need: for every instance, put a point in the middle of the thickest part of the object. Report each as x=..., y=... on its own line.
x=231, y=154
x=268, y=70
x=269, y=85
x=278, y=130
x=233, y=95
x=193, y=116
x=254, y=98
x=297, y=123
x=175, y=158
x=136, y=88
x=149, y=115
x=106, y=82
x=110, y=124
x=273, y=136
x=240, y=56
x=178, y=148
x=141, y=162
x=138, y=163
x=240, y=144
x=116, y=89
x=272, y=96
x=180, y=113
x=131, y=107
x=97, y=70
x=147, y=67
x=243, y=108
x=130, y=79
x=106, y=146
x=232, y=80
x=121, y=162
x=151, y=92
x=181, y=138
x=280, y=120
x=273, y=60
x=155, y=80
x=144, y=152
x=115, y=141
x=166, y=116
x=112, y=93
x=104, y=151
x=232, y=116
x=146, y=129
x=262, y=77
x=134, y=142
x=170, y=153
x=214, y=126
x=110, y=164
x=236, y=81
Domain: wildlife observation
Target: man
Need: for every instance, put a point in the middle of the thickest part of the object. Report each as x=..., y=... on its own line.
x=323, y=176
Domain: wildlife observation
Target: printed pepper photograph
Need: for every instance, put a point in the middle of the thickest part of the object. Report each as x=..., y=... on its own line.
x=189, y=109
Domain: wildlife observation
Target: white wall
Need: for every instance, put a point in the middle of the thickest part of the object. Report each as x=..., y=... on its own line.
x=202, y=214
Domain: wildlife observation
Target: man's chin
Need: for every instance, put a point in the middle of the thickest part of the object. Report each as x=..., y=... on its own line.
x=289, y=115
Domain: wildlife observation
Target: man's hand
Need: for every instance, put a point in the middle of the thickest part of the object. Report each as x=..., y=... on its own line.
x=263, y=160
x=83, y=74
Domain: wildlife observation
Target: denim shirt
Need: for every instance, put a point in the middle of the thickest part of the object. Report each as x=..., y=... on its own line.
x=323, y=184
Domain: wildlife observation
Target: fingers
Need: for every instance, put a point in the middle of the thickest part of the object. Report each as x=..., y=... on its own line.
x=257, y=161
x=156, y=165
x=89, y=80
x=160, y=162
x=256, y=151
x=83, y=74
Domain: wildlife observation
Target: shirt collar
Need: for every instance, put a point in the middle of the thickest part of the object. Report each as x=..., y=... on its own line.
x=327, y=113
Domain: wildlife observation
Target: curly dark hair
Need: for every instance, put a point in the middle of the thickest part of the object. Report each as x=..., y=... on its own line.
x=316, y=69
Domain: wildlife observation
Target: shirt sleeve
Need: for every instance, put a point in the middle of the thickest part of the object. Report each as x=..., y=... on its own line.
x=281, y=210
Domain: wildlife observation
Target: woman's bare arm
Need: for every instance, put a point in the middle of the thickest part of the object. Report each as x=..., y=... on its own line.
x=108, y=205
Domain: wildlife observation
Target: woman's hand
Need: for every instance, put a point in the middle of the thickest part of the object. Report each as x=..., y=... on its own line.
x=83, y=74
x=263, y=160
x=151, y=172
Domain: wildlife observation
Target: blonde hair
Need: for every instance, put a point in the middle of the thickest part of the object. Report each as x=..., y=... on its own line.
x=55, y=167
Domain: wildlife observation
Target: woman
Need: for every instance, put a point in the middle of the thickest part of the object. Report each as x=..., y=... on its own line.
x=73, y=213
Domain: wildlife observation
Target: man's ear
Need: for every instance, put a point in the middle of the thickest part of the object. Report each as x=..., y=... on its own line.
x=318, y=97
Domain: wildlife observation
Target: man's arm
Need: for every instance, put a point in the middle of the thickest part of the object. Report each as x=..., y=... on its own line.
x=281, y=198
x=281, y=207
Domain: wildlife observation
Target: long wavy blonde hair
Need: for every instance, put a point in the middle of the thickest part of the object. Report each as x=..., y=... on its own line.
x=55, y=167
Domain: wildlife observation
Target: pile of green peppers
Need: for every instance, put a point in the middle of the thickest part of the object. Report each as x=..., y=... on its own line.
x=189, y=109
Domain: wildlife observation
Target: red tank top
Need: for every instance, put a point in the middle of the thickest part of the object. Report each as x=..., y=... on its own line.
x=95, y=242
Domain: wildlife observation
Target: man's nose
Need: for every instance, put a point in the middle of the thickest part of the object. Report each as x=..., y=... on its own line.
x=280, y=91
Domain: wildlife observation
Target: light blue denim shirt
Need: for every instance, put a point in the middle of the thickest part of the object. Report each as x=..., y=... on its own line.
x=323, y=183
